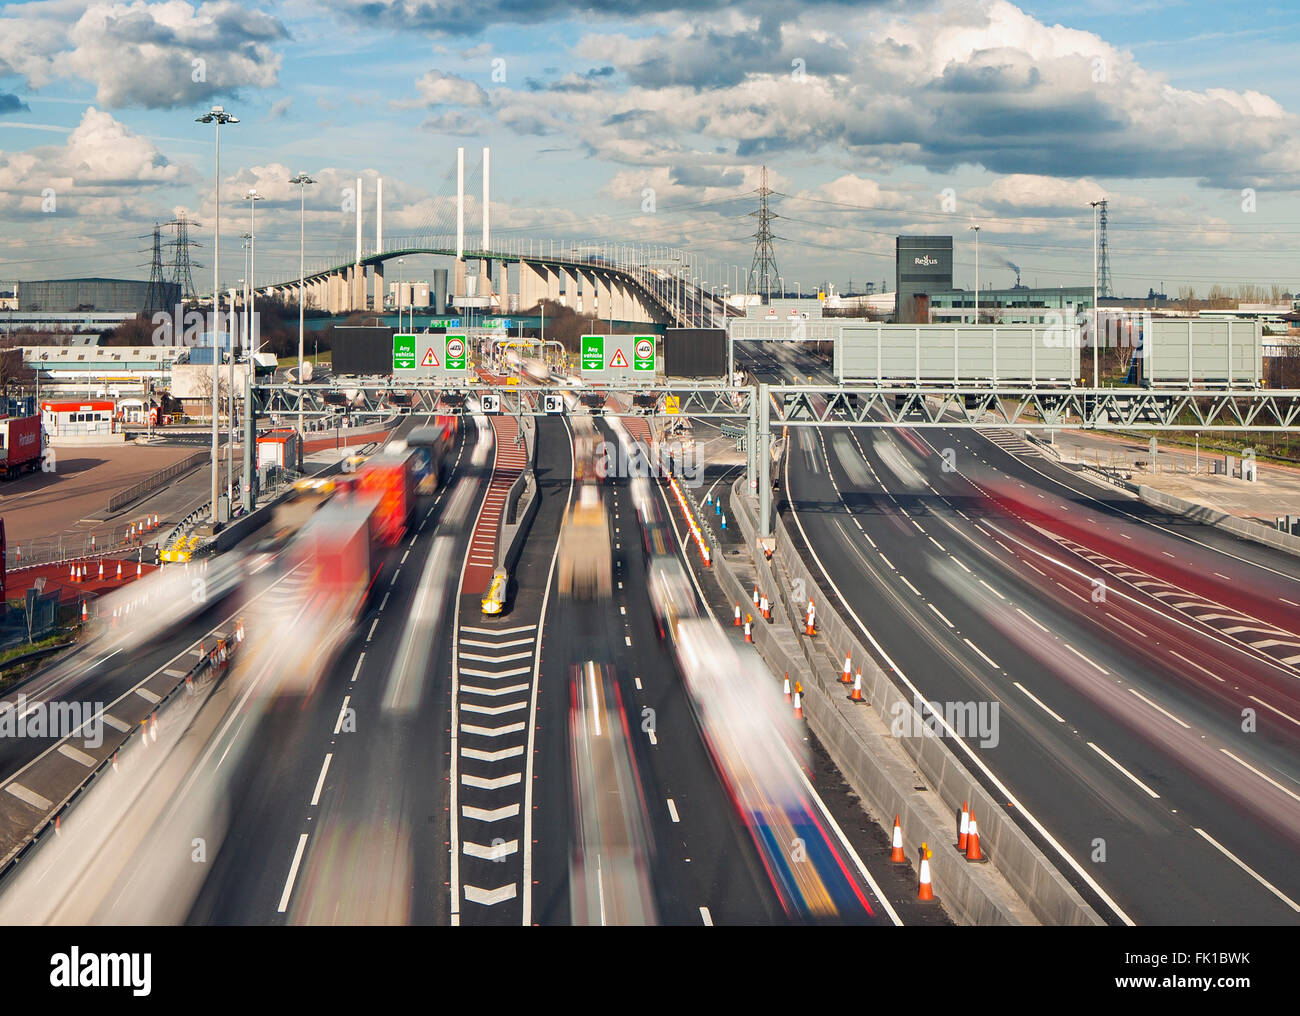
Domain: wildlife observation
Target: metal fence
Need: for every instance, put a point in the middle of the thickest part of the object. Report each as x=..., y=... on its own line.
x=150, y=483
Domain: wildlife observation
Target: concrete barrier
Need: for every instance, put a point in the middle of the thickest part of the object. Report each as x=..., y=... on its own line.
x=886, y=784
x=1247, y=529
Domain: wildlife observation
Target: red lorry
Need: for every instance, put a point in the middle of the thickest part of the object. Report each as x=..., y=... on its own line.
x=20, y=445
x=392, y=478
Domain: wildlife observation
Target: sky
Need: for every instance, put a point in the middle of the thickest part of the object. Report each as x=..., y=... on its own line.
x=650, y=121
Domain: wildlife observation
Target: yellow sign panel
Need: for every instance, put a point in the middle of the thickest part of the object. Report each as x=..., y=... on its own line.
x=672, y=404
x=821, y=295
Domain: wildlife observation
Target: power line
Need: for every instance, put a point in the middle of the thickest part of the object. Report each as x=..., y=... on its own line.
x=763, y=272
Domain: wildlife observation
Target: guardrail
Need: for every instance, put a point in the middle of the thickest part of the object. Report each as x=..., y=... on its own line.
x=156, y=480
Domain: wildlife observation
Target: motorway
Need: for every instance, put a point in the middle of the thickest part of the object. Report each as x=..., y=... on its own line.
x=1145, y=668
x=427, y=778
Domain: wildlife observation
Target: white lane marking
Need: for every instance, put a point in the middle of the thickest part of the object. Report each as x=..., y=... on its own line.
x=338, y=724
x=293, y=873
x=1123, y=770
x=627, y=639
x=706, y=917
x=492, y=756
x=992, y=590
x=1084, y=658
x=908, y=584
x=960, y=565
x=1158, y=708
x=393, y=581
x=384, y=602
x=941, y=617
x=1263, y=776
x=320, y=781
x=981, y=652
x=1292, y=602
x=1249, y=870
x=1030, y=619
x=372, y=630
x=1220, y=574
x=360, y=660
x=1276, y=710
x=672, y=810
x=412, y=543
x=1136, y=631
x=405, y=556
x=638, y=683
x=654, y=738
x=1040, y=703
x=1196, y=665
x=941, y=547
x=497, y=631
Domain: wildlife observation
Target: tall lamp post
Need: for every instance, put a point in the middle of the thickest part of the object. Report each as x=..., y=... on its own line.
x=977, y=273
x=250, y=365
x=216, y=116
x=301, y=181
x=1092, y=330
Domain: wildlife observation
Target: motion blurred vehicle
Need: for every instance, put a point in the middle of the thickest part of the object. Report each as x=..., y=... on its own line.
x=588, y=456
x=585, y=560
x=609, y=881
x=432, y=448
x=755, y=748
x=535, y=370
x=671, y=594
x=304, y=500
x=390, y=477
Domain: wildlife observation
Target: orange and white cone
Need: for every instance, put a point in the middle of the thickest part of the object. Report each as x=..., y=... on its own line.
x=896, y=855
x=153, y=726
x=856, y=694
x=963, y=830
x=139, y=569
x=58, y=819
x=925, y=892
x=786, y=688
x=737, y=621
x=119, y=569
x=973, y=842
x=114, y=761
x=764, y=607
x=749, y=632
x=84, y=615
x=847, y=676
x=798, y=706
x=809, y=628
x=756, y=596
x=101, y=570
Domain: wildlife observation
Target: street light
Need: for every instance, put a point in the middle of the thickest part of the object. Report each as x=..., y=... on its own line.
x=1092, y=331
x=216, y=116
x=400, y=263
x=301, y=181
x=250, y=333
x=977, y=273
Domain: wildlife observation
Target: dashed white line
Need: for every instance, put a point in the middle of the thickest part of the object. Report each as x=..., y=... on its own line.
x=1084, y=658
x=320, y=782
x=1249, y=870
x=372, y=630
x=1040, y=703
x=1196, y=665
x=1123, y=770
x=908, y=584
x=360, y=660
x=338, y=724
x=706, y=917
x=1263, y=776
x=293, y=873
x=1161, y=709
x=992, y=590
x=940, y=613
x=1030, y=620
x=384, y=602
x=672, y=810
x=1136, y=631
x=888, y=562
x=1276, y=710
x=981, y=652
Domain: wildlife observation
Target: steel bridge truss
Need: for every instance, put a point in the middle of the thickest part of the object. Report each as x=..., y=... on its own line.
x=814, y=405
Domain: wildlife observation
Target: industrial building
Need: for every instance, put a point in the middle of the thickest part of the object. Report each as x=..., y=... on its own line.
x=922, y=267
x=66, y=296
x=1017, y=305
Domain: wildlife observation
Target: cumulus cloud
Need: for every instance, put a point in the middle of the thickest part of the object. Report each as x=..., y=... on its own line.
x=12, y=104
x=140, y=53
x=437, y=88
x=102, y=168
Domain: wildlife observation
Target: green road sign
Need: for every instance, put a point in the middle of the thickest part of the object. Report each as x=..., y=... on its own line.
x=457, y=353
x=643, y=353
x=403, y=352
x=593, y=352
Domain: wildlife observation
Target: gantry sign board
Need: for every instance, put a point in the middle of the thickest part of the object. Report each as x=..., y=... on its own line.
x=949, y=354
x=618, y=357
x=431, y=355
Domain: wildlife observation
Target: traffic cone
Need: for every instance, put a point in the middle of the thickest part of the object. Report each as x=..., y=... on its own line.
x=765, y=608
x=856, y=694
x=897, y=855
x=114, y=761
x=963, y=830
x=84, y=616
x=138, y=569
x=847, y=676
x=58, y=819
x=119, y=571
x=973, y=843
x=925, y=892
x=809, y=629
x=737, y=621
x=153, y=726
x=786, y=689
x=798, y=706
x=101, y=569
x=756, y=596
x=749, y=634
